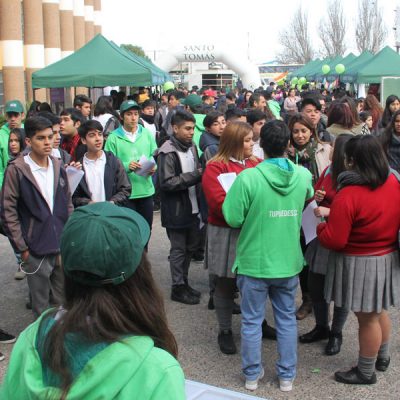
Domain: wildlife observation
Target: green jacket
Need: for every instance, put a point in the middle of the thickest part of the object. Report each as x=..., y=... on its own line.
x=267, y=203
x=275, y=108
x=127, y=370
x=128, y=151
x=4, y=155
x=198, y=130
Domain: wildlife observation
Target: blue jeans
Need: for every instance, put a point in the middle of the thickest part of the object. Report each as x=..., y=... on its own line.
x=254, y=293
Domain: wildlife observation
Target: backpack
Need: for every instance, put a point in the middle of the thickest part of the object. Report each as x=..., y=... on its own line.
x=111, y=125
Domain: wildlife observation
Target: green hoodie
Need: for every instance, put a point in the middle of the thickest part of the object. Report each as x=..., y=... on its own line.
x=267, y=203
x=4, y=155
x=128, y=151
x=127, y=370
x=198, y=130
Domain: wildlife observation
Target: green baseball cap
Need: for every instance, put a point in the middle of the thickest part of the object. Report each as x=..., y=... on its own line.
x=104, y=241
x=14, y=106
x=191, y=100
x=128, y=105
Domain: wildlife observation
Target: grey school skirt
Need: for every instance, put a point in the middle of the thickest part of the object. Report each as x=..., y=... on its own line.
x=363, y=283
x=220, y=250
x=317, y=257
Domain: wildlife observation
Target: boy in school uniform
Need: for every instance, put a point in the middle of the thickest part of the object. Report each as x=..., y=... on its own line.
x=105, y=178
x=179, y=174
x=35, y=205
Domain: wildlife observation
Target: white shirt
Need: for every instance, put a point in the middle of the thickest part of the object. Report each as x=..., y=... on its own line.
x=258, y=150
x=131, y=136
x=94, y=175
x=44, y=178
x=56, y=153
x=103, y=119
x=187, y=164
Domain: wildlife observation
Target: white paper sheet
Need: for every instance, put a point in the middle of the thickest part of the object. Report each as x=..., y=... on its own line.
x=147, y=166
x=226, y=180
x=309, y=222
x=74, y=177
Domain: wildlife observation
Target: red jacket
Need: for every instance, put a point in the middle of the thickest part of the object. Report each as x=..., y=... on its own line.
x=213, y=191
x=363, y=221
x=325, y=181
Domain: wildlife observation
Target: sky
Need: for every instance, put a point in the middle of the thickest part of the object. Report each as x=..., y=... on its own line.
x=252, y=26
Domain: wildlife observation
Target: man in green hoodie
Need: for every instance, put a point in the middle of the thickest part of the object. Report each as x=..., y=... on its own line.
x=14, y=115
x=266, y=202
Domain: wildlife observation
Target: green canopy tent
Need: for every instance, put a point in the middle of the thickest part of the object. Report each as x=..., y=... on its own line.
x=97, y=64
x=302, y=70
x=332, y=75
x=384, y=63
x=316, y=69
x=350, y=74
x=318, y=76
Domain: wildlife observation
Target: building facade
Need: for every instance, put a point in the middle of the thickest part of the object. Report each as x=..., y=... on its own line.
x=49, y=30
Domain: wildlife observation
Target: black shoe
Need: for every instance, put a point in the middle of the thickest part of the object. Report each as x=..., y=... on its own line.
x=236, y=309
x=181, y=294
x=382, y=364
x=354, y=377
x=226, y=343
x=318, y=333
x=192, y=291
x=210, y=305
x=334, y=344
x=268, y=332
x=6, y=337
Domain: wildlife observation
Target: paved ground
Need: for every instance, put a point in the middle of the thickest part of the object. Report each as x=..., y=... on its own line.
x=196, y=333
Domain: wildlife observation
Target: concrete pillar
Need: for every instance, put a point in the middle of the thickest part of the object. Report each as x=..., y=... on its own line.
x=51, y=30
x=79, y=23
x=67, y=27
x=97, y=17
x=33, y=45
x=89, y=20
x=11, y=49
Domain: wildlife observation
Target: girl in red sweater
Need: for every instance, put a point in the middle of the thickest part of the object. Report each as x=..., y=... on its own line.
x=234, y=155
x=363, y=271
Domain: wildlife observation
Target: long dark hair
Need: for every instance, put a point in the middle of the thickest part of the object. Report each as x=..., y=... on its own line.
x=386, y=136
x=387, y=114
x=303, y=120
x=341, y=114
x=337, y=165
x=104, y=106
x=20, y=134
x=106, y=314
x=368, y=159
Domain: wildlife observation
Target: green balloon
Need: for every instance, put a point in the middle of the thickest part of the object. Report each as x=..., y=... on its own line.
x=294, y=80
x=168, y=86
x=340, y=68
x=302, y=81
x=299, y=86
x=326, y=69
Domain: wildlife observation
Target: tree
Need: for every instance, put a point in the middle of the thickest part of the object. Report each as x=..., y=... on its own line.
x=371, y=31
x=332, y=30
x=295, y=41
x=135, y=49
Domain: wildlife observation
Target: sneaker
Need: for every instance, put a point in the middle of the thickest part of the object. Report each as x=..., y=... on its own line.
x=19, y=275
x=6, y=337
x=2, y=357
x=253, y=385
x=181, y=294
x=226, y=343
x=285, y=385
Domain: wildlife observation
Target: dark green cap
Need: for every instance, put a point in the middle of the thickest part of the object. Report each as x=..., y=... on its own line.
x=105, y=241
x=14, y=106
x=191, y=100
x=128, y=105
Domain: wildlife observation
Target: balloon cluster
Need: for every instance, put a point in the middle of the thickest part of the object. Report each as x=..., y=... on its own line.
x=340, y=68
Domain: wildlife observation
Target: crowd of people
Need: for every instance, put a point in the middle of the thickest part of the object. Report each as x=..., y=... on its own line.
x=231, y=173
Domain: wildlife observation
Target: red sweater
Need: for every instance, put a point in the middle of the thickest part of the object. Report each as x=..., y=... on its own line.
x=215, y=194
x=363, y=221
x=325, y=181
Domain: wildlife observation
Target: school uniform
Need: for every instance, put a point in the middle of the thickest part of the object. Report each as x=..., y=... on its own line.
x=35, y=205
x=105, y=179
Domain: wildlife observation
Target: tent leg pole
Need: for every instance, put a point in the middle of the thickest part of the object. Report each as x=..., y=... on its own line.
x=33, y=94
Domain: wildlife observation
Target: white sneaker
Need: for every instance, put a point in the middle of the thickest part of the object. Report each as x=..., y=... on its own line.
x=286, y=385
x=253, y=385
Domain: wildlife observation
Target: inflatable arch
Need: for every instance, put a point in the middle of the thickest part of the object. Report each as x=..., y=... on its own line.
x=233, y=58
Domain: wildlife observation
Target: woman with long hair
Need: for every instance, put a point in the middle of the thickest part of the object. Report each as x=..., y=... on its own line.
x=372, y=105
x=307, y=150
x=317, y=258
x=235, y=154
x=363, y=272
x=110, y=338
x=106, y=115
x=390, y=140
x=392, y=105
